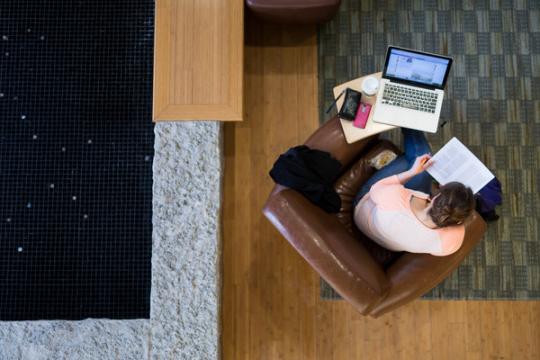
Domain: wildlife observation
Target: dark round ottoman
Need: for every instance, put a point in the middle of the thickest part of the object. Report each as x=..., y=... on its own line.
x=294, y=11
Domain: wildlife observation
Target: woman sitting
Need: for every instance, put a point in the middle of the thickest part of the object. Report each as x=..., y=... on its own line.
x=394, y=207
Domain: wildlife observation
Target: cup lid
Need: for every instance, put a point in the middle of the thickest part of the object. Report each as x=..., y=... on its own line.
x=370, y=85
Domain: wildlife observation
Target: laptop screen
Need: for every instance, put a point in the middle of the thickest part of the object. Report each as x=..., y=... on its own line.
x=417, y=67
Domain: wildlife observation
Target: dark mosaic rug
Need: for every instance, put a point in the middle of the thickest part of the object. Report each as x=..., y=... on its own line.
x=76, y=148
x=492, y=105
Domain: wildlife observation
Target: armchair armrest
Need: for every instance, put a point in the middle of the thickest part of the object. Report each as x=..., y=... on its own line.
x=329, y=137
x=328, y=247
x=413, y=275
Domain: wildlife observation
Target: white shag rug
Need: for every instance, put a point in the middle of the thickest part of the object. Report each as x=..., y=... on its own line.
x=185, y=300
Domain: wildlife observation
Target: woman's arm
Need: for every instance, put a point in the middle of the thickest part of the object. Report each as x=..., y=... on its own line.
x=421, y=163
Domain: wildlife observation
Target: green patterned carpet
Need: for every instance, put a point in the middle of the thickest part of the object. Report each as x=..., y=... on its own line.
x=492, y=105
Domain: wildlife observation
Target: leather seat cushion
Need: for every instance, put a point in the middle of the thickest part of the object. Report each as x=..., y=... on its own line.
x=348, y=185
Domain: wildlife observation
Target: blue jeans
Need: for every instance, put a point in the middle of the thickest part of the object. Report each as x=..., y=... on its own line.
x=415, y=144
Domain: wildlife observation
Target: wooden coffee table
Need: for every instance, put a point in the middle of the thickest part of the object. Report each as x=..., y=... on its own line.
x=198, y=60
x=352, y=133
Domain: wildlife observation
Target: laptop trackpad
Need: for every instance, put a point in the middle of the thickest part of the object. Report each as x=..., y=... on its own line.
x=407, y=118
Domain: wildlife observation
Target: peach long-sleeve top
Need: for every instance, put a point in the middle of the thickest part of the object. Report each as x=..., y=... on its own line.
x=384, y=214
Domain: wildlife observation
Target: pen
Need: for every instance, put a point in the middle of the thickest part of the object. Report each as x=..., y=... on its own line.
x=419, y=169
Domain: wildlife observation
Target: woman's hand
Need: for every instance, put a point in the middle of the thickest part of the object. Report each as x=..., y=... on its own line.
x=421, y=163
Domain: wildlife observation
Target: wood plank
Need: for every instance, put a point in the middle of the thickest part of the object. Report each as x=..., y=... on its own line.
x=439, y=331
x=474, y=355
x=403, y=345
x=474, y=342
x=503, y=317
x=422, y=324
x=534, y=329
x=198, y=60
x=358, y=332
x=271, y=307
x=516, y=320
x=456, y=327
x=491, y=334
x=341, y=333
x=324, y=330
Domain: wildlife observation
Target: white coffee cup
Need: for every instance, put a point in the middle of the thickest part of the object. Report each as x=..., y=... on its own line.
x=370, y=85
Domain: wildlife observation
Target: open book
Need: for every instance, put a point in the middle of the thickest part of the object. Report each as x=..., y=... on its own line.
x=454, y=162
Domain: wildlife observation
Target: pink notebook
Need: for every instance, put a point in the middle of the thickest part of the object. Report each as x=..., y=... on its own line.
x=362, y=116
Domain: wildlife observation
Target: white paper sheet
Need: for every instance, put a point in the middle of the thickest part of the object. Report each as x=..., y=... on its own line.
x=454, y=162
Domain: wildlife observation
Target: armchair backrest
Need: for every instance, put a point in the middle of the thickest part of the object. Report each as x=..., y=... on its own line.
x=329, y=137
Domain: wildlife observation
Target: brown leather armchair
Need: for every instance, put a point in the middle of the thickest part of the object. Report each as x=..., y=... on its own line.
x=373, y=279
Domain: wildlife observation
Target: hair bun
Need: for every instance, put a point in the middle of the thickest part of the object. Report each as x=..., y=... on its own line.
x=453, y=205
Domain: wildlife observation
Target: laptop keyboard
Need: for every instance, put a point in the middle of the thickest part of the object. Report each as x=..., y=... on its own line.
x=406, y=97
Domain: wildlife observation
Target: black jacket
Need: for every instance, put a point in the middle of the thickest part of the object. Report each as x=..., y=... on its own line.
x=310, y=172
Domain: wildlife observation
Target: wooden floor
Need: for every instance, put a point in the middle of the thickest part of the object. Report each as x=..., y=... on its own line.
x=271, y=307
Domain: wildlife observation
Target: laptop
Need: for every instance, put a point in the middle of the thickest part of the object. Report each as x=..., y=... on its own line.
x=411, y=90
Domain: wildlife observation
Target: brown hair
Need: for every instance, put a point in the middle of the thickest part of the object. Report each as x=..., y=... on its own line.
x=453, y=205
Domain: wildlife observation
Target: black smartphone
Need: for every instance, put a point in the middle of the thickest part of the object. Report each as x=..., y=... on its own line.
x=350, y=104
